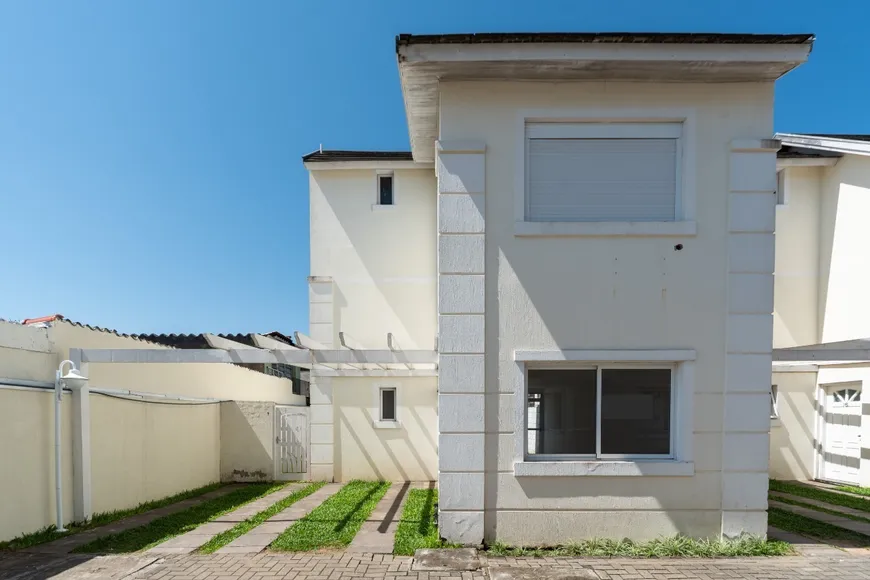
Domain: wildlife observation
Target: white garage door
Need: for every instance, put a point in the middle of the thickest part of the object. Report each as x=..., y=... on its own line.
x=842, y=439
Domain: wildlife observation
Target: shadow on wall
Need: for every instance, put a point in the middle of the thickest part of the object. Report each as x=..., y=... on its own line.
x=792, y=441
x=247, y=433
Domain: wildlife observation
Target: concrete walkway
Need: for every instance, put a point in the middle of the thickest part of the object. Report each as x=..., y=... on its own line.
x=378, y=532
x=186, y=543
x=821, y=504
x=69, y=543
x=260, y=537
x=839, y=521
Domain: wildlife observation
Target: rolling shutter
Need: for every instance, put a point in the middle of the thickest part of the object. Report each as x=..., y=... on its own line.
x=602, y=179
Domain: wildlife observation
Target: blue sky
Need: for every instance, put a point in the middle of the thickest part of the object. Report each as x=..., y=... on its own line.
x=150, y=174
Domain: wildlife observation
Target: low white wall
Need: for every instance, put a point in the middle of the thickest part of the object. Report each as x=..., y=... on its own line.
x=409, y=453
x=792, y=436
x=247, y=436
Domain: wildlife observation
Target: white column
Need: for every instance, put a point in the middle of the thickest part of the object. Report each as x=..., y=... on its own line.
x=864, y=469
x=461, y=168
x=749, y=337
x=81, y=448
x=321, y=328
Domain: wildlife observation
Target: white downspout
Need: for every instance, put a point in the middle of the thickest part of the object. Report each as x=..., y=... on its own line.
x=58, y=475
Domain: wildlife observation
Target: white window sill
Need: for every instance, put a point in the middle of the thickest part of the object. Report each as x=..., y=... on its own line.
x=386, y=425
x=601, y=229
x=603, y=468
x=379, y=207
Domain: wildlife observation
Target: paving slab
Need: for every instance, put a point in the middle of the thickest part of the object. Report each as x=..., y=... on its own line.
x=543, y=573
x=822, y=504
x=806, y=546
x=446, y=560
x=260, y=537
x=378, y=533
x=839, y=521
x=186, y=543
x=69, y=543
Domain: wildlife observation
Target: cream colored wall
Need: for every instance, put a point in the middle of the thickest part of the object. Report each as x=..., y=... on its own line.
x=844, y=310
x=796, y=273
x=382, y=261
x=27, y=483
x=143, y=451
x=609, y=292
x=792, y=436
x=409, y=453
x=247, y=436
x=211, y=380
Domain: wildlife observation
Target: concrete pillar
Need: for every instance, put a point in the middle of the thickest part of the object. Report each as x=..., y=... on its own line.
x=864, y=469
x=461, y=169
x=321, y=328
x=321, y=310
x=749, y=337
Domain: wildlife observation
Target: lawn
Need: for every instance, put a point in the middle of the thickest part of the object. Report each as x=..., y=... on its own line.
x=853, y=489
x=224, y=538
x=673, y=547
x=335, y=522
x=49, y=533
x=820, y=495
x=821, y=509
x=809, y=527
x=417, y=527
x=167, y=527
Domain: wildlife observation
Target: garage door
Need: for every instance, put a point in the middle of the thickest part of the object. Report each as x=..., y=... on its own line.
x=842, y=439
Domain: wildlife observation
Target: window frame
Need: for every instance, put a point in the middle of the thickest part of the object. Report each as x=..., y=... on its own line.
x=381, y=391
x=598, y=455
x=597, y=119
x=774, y=401
x=380, y=174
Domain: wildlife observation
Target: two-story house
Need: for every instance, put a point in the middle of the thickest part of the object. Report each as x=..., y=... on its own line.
x=584, y=232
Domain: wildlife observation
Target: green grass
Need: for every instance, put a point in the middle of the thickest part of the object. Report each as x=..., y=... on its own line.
x=224, y=538
x=821, y=509
x=673, y=547
x=830, y=497
x=162, y=529
x=335, y=522
x=809, y=527
x=50, y=533
x=417, y=527
x=853, y=489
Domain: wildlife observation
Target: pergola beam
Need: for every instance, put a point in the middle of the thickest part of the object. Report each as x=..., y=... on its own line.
x=299, y=357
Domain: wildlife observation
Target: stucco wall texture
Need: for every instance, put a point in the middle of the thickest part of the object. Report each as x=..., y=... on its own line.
x=624, y=293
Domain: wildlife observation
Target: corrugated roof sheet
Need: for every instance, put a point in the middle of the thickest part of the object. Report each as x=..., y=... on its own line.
x=339, y=155
x=603, y=38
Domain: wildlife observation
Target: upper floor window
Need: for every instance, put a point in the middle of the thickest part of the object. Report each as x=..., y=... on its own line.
x=385, y=189
x=603, y=172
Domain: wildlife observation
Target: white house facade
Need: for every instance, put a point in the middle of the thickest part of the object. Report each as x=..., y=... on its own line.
x=584, y=233
x=821, y=315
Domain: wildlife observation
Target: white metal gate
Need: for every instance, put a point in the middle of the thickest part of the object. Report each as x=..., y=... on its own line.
x=291, y=443
x=841, y=442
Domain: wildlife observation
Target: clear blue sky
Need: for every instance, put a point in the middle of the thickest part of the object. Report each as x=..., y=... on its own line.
x=150, y=174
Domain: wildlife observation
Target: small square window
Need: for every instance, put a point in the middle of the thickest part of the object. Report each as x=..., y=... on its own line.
x=388, y=404
x=774, y=402
x=385, y=189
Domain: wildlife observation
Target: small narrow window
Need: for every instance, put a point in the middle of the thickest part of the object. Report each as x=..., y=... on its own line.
x=780, y=187
x=774, y=402
x=388, y=404
x=385, y=189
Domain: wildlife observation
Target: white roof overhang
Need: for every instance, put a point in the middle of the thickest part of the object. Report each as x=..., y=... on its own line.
x=423, y=66
x=843, y=352
x=825, y=143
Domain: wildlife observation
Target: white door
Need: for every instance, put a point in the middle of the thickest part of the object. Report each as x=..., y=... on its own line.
x=291, y=443
x=842, y=440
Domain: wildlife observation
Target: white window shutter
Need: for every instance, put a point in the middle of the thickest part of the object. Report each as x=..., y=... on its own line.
x=602, y=180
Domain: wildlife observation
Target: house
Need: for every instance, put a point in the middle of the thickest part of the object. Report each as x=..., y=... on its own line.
x=821, y=313
x=583, y=232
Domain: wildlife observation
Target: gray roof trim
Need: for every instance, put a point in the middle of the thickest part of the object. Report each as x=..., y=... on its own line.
x=603, y=38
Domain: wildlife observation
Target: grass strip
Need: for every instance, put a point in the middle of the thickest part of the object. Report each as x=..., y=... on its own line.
x=417, y=527
x=853, y=489
x=820, y=509
x=831, y=497
x=162, y=529
x=242, y=528
x=50, y=533
x=809, y=527
x=673, y=547
x=335, y=522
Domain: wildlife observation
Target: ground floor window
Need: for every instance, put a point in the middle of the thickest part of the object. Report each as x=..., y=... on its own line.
x=600, y=412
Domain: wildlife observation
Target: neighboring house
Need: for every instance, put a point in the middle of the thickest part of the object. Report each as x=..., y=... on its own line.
x=583, y=230
x=821, y=310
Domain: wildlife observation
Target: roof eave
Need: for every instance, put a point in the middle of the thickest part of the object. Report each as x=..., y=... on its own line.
x=372, y=164
x=823, y=143
x=423, y=66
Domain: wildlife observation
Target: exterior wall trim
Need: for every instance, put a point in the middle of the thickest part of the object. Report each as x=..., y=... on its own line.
x=604, y=468
x=591, y=229
x=665, y=355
